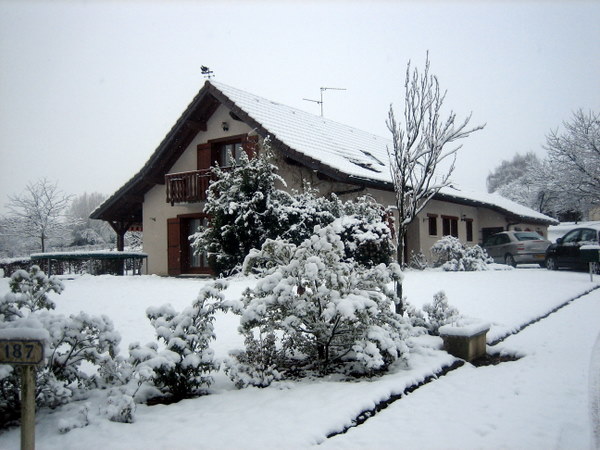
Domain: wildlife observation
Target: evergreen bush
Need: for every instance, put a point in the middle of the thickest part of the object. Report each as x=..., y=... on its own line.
x=328, y=313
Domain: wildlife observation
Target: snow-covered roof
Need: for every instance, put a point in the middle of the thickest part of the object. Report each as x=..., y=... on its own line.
x=340, y=151
x=354, y=152
x=497, y=202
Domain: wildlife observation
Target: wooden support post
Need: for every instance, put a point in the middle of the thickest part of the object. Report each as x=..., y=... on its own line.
x=120, y=228
x=28, y=407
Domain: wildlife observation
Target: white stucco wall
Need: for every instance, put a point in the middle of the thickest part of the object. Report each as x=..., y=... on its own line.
x=156, y=210
x=440, y=209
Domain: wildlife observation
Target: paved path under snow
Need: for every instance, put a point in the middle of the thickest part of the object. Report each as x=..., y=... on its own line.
x=547, y=399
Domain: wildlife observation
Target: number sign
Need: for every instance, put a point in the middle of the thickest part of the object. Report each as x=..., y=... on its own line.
x=21, y=351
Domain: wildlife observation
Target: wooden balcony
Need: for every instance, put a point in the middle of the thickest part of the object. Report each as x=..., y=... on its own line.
x=187, y=187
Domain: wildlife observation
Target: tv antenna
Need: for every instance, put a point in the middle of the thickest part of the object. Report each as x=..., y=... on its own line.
x=206, y=72
x=320, y=102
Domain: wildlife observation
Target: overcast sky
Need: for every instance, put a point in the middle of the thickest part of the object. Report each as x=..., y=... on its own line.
x=89, y=89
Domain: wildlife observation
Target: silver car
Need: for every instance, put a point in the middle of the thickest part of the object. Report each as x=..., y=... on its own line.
x=517, y=247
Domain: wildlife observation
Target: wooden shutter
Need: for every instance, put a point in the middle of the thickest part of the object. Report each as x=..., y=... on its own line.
x=250, y=146
x=204, y=156
x=174, y=246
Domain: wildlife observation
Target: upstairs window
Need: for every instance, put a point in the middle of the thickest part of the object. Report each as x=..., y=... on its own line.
x=229, y=154
x=226, y=152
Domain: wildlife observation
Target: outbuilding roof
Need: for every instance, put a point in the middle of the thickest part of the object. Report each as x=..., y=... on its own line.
x=339, y=151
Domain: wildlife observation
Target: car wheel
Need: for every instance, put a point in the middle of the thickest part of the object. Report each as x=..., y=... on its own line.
x=551, y=263
x=510, y=260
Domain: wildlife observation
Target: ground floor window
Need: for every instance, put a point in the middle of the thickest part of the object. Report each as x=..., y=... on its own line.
x=469, y=224
x=433, y=230
x=450, y=226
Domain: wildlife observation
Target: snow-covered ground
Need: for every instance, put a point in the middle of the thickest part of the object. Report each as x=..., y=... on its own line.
x=547, y=399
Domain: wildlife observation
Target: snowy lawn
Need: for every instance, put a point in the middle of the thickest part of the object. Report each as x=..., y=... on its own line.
x=536, y=402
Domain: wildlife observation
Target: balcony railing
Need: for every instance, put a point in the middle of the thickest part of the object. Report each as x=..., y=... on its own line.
x=187, y=187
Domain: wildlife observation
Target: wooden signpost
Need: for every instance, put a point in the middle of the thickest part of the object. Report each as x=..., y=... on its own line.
x=26, y=352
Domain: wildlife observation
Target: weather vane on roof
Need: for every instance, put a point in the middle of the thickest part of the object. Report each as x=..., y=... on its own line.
x=320, y=102
x=206, y=72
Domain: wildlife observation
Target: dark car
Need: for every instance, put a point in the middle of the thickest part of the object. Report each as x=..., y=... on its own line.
x=566, y=252
x=517, y=247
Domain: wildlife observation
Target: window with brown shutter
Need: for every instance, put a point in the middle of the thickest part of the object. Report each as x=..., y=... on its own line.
x=204, y=156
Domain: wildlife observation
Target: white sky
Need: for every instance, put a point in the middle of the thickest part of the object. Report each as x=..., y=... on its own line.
x=89, y=89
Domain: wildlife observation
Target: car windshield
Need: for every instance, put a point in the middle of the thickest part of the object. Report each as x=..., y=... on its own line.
x=529, y=236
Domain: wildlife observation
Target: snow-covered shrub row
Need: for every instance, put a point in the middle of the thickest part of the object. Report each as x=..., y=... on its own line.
x=72, y=341
x=246, y=209
x=313, y=309
x=453, y=256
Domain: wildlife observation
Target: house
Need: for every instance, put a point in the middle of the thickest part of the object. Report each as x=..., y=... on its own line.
x=165, y=198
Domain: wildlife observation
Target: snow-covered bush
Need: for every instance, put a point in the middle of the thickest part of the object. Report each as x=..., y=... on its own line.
x=365, y=232
x=29, y=290
x=77, y=338
x=258, y=364
x=439, y=313
x=418, y=261
x=242, y=204
x=327, y=312
x=303, y=211
x=119, y=407
x=415, y=315
x=182, y=368
x=361, y=224
x=78, y=420
x=73, y=341
x=453, y=256
x=476, y=258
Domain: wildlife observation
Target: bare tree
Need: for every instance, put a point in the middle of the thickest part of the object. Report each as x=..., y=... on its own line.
x=510, y=171
x=420, y=149
x=574, y=156
x=38, y=212
x=86, y=231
